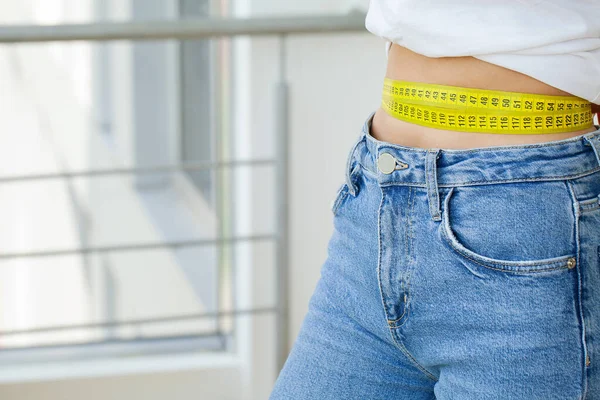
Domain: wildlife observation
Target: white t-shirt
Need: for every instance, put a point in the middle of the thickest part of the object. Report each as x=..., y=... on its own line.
x=554, y=41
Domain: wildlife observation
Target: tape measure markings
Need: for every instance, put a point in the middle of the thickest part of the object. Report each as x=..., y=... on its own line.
x=485, y=111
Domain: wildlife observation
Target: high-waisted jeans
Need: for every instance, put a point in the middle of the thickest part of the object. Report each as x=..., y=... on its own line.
x=463, y=274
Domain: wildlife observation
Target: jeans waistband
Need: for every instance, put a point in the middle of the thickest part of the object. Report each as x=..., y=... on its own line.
x=433, y=168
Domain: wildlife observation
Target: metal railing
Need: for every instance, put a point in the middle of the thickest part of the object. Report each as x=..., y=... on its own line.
x=196, y=29
x=185, y=29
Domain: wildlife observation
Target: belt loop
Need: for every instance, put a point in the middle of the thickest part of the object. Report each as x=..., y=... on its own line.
x=593, y=141
x=433, y=196
x=350, y=166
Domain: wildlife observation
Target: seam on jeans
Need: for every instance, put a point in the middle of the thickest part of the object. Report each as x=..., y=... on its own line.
x=561, y=263
x=448, y=236
x=339, y=202
x=339, y=198
x=433, y=198
x=346, y=189
x=409, y=249
x=404, y=350
x=411, y=245
x=589, y=209
x=399, y=318
x=589, y=204
x=468, y=183
x=351, y=177
x=350, y=168
x=577, y=215
x=518, y=272
x=594, y=201
x=404, y=289
x=391, y=332
x=590, y=201
x=379, y=256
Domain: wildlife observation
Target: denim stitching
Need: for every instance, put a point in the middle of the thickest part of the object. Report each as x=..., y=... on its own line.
x=579, y=288
x=589, y=208
x=431, y=178
x=379, y=254
x=351, y=177
x=410, y=226
x=407, y=236
x=470, y=183
x=516, y=269
x=391, y=332
x=404, y=350
x=337, y=204
x=349, y=170
x=466, y=255
x=428, y=181
x=346, y=189
x=505, y=270
x=403, y=289
x=464, y=183
x=410, y=263
x=588, y=205
x=595, y=148
x=592, y=201
x=397, y=319
x=510, y=265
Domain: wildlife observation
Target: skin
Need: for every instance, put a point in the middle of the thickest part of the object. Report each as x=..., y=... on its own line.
x=404, y=64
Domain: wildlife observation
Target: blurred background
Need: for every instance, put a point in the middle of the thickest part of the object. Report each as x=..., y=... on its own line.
x=164, y=204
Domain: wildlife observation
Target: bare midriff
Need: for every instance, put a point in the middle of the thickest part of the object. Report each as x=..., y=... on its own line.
x=404, y=64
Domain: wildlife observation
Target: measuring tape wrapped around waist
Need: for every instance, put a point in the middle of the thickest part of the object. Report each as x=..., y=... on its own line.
x=485, y=111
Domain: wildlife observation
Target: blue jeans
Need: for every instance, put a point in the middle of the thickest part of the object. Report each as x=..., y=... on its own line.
x=457, y=274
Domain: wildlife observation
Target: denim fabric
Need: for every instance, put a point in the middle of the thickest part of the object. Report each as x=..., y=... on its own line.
x=463, y=274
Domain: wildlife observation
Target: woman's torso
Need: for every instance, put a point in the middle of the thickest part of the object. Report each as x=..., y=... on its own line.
x=404, y=64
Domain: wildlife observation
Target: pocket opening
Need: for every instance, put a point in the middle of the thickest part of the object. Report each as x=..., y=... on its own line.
x=514, y=266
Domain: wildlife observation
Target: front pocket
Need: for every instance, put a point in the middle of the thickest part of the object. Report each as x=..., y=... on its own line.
x=517, y=227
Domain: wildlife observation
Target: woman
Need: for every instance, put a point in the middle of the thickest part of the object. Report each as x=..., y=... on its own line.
x=465, y=260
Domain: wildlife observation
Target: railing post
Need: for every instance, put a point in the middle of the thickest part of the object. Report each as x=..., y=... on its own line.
x=282, y=210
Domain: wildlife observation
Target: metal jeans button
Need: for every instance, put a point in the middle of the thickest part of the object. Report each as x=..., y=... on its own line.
x=386, y=163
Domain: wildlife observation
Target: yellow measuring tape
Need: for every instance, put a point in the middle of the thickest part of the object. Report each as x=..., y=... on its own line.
x=485, y=111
